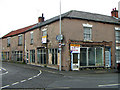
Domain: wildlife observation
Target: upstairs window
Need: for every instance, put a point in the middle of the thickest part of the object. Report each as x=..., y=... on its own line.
x=31, y=37
x=44, y=36
x=19, y=39
x=117, y=34
x=87, y=32
x=8, y=41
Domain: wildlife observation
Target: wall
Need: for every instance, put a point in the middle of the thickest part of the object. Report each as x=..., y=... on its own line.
x=73, y=29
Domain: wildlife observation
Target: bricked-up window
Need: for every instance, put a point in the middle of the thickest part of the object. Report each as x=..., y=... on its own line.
x=54, y=56
x=117, y=36
x=19, y=39
x=8, y=41
x=87, y=33
x=32, y=56
x=118, y=55
x=31, y=37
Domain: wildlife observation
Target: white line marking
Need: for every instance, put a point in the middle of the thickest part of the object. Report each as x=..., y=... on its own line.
x=30, y=78
x=34, y=76
x=4, y=70
x=40, y=72
x=5, y=86
x=23, y=81
x=108, y=85
x=15, y=83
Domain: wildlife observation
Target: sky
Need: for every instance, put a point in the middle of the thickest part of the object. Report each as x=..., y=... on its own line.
x=16, y=14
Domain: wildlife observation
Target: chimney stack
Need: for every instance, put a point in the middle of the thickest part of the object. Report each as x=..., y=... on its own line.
x=41, y=19
x=114, y=13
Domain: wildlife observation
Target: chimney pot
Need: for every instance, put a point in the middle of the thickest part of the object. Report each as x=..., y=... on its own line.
x=114, y=13
x=41, y=19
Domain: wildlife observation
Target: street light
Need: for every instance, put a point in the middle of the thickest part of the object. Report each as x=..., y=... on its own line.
x=60, y=40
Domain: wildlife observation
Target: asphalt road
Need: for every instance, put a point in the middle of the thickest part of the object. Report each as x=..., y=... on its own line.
x=27, y=76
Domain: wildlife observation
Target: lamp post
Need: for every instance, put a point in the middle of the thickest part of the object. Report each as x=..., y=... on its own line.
x=60, y=40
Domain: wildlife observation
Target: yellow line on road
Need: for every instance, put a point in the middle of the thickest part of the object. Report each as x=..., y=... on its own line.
x=109, y=85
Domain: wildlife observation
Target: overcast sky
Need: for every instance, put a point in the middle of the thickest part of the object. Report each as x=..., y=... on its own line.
x=16, y=14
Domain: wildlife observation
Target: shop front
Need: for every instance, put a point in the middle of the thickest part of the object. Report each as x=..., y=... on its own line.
x=88, y=56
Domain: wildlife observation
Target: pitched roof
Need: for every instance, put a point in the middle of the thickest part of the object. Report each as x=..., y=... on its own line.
x=81, y=15
x=19, y=31
x=73, y=14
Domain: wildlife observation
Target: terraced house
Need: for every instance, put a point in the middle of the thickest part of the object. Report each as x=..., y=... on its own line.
x=89, y=40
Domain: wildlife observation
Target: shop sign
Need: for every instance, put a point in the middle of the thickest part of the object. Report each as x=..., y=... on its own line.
x=44, y=39
x=75, y=48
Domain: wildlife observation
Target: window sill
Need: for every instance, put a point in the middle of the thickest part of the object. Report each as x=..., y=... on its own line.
x=31, y=43
x=88, y=41
x=19, y=44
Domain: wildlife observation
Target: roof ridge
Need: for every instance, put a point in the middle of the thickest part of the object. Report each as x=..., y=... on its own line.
x=91, y=13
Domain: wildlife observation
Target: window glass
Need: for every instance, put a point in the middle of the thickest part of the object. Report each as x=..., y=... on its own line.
x=87, y=33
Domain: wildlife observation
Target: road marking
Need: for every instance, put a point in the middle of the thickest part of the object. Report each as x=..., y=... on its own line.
x=109, y=85
x=5, y=86
x=4, y=70
x=23, y=81
x=15, y=83
x=40, y=72
x=30, y=78
x=34, y=76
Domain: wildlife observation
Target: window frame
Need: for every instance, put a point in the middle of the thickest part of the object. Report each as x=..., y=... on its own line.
x=8, y=41
x=20, y=38
x=87, y=34
x=31, y=38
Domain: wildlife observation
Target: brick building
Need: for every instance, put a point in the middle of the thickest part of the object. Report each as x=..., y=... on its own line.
x=89, y=40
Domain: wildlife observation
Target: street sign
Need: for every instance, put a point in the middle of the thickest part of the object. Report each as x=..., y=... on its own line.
x=59, y=37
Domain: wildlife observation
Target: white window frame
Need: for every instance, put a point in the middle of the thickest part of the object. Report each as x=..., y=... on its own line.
x=90, y=28
x=31, y=37
x=20, y=39
x=117, y=29
x=8, y=41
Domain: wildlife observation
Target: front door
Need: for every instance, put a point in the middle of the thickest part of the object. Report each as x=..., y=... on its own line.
x=75, y=61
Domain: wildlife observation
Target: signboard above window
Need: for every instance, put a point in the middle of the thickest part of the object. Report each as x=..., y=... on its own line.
x=75, y=48
x=44, y=35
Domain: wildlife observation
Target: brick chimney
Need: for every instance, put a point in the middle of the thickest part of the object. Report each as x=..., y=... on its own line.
x=114, y=13
x=41, y=19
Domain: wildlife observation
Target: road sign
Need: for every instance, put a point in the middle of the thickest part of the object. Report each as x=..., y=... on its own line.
x=59, y=37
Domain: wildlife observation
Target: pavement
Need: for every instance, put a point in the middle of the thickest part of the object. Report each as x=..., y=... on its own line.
x=66, y=73
x=80, y=72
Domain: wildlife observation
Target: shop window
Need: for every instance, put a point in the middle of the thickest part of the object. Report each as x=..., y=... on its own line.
x=53, y=53
x=117, y=55
x=32, y=56
x=91, y=56
x=99, y=57
x=83, y=56
x=41, y=56
x=19, y=39
x=5, y=55
x=87, y=33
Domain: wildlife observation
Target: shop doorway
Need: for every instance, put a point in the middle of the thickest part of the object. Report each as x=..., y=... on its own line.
x=75, y=61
